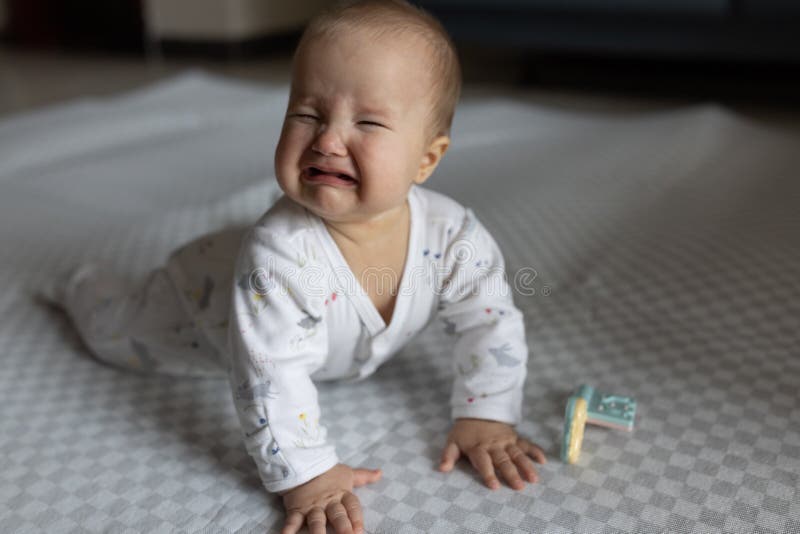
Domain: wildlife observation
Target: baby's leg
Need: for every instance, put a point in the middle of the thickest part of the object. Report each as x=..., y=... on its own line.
x=145, y=329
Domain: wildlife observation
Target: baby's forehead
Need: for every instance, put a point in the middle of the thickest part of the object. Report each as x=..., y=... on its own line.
x=381, y=38
x=407, y=54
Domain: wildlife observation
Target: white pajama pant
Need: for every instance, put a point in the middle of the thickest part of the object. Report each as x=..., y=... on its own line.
x=144, y=329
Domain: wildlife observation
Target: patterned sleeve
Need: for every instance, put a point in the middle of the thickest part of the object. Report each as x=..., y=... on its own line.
x=477, y=308
x=277, y=338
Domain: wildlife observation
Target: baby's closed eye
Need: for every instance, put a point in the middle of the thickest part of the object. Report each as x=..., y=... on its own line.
x=372, y=124
x=305, y=117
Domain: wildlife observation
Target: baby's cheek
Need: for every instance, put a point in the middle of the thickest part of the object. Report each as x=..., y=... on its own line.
x=293, y=141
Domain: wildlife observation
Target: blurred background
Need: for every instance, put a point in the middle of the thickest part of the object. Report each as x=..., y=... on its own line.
x=723, y=50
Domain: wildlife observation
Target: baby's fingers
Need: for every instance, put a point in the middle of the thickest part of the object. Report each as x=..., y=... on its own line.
x=353, y=507
x=316, y=521
x=508, y=469
x=482, y=462
x=293, y=523
x=524, y=464
x=337, y=516
x=450, y=456
x=366, y=476
x=532, y=450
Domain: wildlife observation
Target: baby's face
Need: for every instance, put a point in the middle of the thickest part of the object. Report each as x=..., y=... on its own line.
x=356, y=136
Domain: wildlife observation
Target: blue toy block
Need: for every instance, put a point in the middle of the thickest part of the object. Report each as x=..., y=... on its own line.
x=613, y=411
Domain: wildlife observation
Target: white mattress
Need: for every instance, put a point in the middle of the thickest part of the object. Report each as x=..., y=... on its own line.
x=666, y=248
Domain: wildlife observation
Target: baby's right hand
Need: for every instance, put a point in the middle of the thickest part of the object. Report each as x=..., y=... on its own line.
x=328, y=497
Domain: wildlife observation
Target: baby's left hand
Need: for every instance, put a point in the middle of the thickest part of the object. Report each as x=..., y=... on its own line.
x=491, y=445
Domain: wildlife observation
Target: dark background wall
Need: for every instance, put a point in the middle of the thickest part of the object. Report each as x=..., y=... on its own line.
x=699, y=48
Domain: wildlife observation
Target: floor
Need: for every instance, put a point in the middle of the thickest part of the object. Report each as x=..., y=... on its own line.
x=31, y=79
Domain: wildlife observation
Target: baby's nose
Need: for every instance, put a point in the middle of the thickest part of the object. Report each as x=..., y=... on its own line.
x=329, y=142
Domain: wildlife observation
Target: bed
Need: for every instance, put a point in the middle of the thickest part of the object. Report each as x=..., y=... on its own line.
x=655, y=253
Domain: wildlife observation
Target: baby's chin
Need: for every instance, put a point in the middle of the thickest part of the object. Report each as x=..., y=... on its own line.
x=338, y=205
x=326, y=202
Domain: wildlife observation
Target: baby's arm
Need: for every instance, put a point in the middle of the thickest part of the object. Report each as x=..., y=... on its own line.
x=477, y=308
x=277, y=339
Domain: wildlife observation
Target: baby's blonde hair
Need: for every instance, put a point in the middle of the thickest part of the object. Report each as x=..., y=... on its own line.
x=393, y=17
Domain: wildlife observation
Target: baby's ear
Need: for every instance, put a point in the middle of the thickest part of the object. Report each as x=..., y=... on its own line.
x=433, y=155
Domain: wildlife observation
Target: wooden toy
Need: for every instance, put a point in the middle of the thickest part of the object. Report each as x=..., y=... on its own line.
x=574, y=422
x=590, y=406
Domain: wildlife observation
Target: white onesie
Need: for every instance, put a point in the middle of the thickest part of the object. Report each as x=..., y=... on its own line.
x=291, y=311
x=297, y=314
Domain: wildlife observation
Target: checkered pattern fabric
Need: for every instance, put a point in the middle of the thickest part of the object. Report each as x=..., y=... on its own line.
x=654, y=254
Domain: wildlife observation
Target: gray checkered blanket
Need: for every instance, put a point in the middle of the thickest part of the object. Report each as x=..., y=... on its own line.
x=654, y=253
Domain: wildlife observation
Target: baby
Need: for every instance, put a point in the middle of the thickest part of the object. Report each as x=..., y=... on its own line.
x=342, y=271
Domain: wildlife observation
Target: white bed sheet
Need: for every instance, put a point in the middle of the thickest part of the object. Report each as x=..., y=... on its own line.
x=666, y=253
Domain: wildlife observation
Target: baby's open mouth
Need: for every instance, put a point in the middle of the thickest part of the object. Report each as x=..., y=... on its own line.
x=314, y=172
